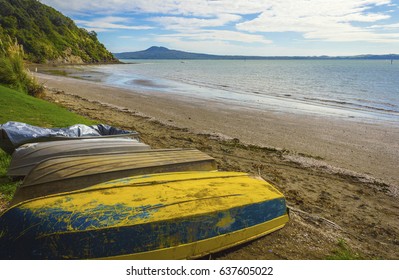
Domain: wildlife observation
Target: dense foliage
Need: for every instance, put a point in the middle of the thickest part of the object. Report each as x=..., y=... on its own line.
x=47, y=35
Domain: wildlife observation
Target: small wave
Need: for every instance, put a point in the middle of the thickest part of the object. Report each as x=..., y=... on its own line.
x=356, y=105
x=387, y=104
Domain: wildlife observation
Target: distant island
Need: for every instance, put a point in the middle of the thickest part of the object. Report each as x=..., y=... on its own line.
x=165, y=53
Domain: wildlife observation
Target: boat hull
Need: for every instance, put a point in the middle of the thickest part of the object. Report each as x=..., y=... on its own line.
x=15, y=134
x=65, y=174
x=26, y=157
x=161, y=216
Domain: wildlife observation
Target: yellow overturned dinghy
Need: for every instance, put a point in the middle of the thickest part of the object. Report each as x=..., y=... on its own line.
x=179, y=215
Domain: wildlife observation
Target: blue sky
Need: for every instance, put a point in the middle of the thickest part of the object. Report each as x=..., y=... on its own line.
x=241, y=27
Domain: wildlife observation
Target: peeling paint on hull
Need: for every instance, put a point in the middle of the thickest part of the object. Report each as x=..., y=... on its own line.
x=160, y=216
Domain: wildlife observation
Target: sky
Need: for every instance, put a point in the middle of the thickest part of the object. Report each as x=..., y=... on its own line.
x=241, y=27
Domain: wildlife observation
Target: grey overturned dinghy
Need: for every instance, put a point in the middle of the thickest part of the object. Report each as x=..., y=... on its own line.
x=64, y=174
x=27, y=156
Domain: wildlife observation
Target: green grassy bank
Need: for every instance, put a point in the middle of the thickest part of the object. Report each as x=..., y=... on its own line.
x=20, y=107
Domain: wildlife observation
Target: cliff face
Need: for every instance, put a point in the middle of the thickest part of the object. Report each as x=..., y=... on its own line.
x=49, y=36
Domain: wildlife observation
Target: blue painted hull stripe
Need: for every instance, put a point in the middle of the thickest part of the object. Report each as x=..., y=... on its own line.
x=25, y=236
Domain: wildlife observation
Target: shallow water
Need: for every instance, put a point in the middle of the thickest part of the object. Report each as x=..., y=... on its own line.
x=365, y=89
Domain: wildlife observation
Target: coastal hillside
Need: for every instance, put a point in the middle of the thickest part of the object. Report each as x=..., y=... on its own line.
x=47, y=35
x=155, y=52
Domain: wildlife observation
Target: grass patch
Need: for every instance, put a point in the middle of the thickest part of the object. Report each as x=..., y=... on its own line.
x=7, y=189
x=20, y=107
x=17, y=106
x=343, y=252
x=7, y=186
x=55, y=72
x=4, y=163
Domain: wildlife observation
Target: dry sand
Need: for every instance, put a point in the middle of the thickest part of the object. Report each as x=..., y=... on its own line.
x=339, y=176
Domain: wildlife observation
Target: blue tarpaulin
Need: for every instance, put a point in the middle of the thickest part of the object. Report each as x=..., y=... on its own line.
x=15, y=134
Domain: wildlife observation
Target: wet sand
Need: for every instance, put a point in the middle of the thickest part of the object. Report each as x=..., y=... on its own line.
x=339, y=176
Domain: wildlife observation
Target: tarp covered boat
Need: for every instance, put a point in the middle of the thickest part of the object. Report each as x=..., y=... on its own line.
x=159, y=216
x=15, y=134
x=27, y=156
x=74, y=172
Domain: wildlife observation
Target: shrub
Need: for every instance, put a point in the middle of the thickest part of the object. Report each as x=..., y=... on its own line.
x=12, y=69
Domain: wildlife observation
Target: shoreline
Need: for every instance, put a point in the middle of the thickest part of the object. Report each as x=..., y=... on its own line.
x=327, y=208
x=367, y=148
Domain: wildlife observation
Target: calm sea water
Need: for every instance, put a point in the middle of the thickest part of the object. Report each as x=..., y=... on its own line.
x=364, y=89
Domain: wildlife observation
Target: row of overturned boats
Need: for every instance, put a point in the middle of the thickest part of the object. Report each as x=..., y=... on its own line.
x=113, y=197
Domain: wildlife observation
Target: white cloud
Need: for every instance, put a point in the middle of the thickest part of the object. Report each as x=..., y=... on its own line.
x=182, y=23
x=337, y=20
x=214, y=7
x=172, y=7
x=324, y=20
x=215, y=35
x=386, y=26
x=107, y=23
x=210, y=47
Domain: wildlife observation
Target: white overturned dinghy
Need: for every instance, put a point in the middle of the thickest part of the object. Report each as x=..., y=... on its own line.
x=64, y=174
x=28, y=156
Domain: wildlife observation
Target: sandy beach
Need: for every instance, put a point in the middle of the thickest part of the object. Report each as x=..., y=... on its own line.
x=339, y=175
x=365, y=148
